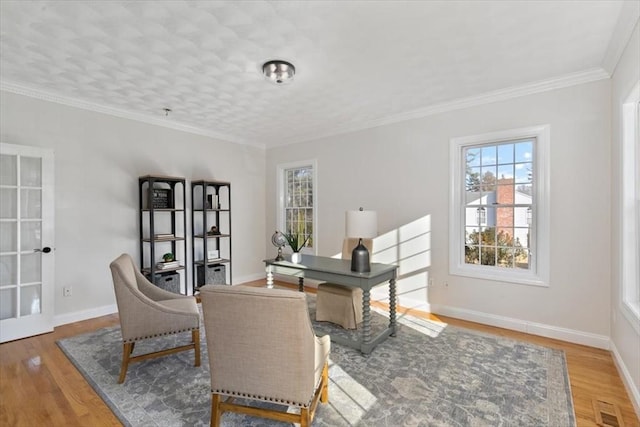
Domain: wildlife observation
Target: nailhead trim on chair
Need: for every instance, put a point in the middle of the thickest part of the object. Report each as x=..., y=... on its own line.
x=263, y=398
x=159, y=335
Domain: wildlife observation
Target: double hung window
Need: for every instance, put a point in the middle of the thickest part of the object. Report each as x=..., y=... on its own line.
x=297, y=213
x=499, y=206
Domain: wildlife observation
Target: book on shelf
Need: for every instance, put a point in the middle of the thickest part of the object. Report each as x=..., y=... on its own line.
x=210, y=260
x=164, y=236
x=166, y=265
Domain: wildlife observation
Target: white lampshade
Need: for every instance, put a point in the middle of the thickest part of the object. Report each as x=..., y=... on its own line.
x=361, y=224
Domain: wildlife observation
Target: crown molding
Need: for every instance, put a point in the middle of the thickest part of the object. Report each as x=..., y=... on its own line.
x=49, y=96
x=472, y=101
x=560, y=82
x=628, y=20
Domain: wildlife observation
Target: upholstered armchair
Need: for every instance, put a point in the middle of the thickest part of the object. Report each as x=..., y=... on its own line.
x=340, y=304
x=262, y=348
x=146, y=311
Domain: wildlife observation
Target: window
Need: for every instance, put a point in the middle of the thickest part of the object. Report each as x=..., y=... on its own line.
x=499, y=206
x=296, y=194
x=630, y=207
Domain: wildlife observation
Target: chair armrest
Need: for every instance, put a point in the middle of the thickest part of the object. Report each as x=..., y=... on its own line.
x=141, y=317
x=322, y=350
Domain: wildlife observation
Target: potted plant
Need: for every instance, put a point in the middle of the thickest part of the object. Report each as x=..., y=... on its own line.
x=294, y=241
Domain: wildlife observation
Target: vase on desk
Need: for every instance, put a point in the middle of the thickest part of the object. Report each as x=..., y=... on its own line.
x=296, y=257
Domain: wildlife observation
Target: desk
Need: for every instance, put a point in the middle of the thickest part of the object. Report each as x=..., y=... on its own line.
x=339, y=271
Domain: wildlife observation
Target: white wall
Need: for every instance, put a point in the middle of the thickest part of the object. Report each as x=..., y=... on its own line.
x=625, y=340
x=402, y=171
x=98, y=159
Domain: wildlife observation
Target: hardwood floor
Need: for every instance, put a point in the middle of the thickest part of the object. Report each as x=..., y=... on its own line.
x=40, y=387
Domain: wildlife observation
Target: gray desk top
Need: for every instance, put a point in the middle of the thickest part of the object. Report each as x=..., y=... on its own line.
x=333, y=266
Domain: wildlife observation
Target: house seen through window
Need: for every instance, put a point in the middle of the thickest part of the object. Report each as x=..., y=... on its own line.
x=498, y=209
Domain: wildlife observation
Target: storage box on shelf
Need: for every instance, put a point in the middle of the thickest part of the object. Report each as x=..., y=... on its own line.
x=211, y=232
x=163, y=225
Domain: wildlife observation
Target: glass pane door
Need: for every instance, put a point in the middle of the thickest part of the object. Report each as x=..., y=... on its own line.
x=26, y=228
x=21, y=219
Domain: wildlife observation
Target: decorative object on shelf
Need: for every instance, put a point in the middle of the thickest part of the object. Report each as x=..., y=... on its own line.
x=213, y=231
x=279, y=241
x=212, y=201
x=161, y=198
x=168, y=257
x=167, y=265
x=361, y=224
x=278, y=71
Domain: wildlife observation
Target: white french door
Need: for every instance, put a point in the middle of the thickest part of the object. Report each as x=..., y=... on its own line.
x=26, y=241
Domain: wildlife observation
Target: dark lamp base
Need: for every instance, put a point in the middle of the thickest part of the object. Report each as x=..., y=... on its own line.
x=360, y=259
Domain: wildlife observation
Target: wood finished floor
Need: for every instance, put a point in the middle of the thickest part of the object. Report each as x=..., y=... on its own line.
x=40, y=387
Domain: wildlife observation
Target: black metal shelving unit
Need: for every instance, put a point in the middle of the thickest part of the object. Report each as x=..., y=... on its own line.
x=211, y=248
x=163, y=226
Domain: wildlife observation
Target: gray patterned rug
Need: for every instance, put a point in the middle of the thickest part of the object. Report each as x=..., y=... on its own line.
x=431, y=374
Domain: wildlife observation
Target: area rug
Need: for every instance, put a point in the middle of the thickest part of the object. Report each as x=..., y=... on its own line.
x=431, y=374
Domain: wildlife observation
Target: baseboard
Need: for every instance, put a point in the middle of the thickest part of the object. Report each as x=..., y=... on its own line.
x=249, y=278
x=77, y=316
x=548, y=331
x=634, y=393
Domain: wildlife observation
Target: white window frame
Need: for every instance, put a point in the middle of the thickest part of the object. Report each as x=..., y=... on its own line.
x=280, y=217
x=630, y=209
x=538, y=274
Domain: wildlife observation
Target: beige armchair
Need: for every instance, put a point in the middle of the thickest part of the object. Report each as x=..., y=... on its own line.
x=146, y=311
x=340, y=304
x=262, y=347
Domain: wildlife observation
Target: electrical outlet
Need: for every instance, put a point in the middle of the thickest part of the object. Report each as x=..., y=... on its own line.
x=66, y=291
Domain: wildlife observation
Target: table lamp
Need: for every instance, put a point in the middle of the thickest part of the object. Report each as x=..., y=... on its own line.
x=361, y=224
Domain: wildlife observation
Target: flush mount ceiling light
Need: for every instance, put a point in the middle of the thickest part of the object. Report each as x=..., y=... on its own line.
x=278, y=71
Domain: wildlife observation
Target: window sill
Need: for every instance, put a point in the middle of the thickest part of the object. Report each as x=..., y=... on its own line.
x=506, y=276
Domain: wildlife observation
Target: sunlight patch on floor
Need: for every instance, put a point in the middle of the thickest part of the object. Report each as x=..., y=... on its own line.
x=348, y=398
x=427, y=327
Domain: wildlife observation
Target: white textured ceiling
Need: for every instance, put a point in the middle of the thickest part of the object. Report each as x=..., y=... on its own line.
x=358, y=63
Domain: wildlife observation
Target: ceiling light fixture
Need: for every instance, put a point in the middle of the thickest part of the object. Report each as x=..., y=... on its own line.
x=278, y=71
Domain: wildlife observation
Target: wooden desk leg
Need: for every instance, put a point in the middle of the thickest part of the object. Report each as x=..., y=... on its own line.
x=392, y=306
x=366, y=318
x=269, y=277
x=301, y=284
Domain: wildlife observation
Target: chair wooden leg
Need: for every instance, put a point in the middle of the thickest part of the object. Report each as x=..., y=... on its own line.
x=304, y=417
x=126, y=352
x=215, y=410
x=324, y=396
x=195, y=336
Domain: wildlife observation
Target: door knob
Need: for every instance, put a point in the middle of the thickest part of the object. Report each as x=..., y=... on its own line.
x=46, y=250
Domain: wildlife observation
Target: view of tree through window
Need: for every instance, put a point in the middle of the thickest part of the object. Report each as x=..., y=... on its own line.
x=298, y=200
x=498, y=207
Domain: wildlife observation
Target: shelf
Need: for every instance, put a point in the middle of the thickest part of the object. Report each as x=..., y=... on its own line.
x=211, y=236
x=162, y=210
x=163, y=239
x=212, y=210
x=212, y=262
x=147, y=271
